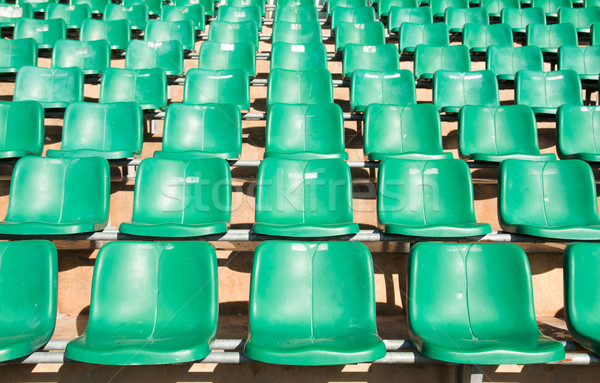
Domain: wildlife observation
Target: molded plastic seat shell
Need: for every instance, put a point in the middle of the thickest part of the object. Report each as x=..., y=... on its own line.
x=581, y=18
x=233, y=14
x=92, y=57
x=17, y=53
x=248, y=3
x=224, y=56
x=137, y=14
x=551, y=7
x=37, y=6
x=209, y=5
x=392, y=87
x=225, y=32
x=429, y=59
x=384, y=6
x=583, y=60
x=21, y=129
x=546, y=91
x=479, y=37
x=154, y=6
x=158, y=31
x=53, y=88
x=359, y=15
x=299, y=87
x=332, y=4
x=438, y=7
x=117, y=32
x=297, y=33
x=453, y=90
x=372, y=33
x=576, y=130
x=147, y=87
x=295, y=14
x=73, y=15
x=166, y=55
x=520, y=19
x=45, y=32
x=194, y=13
x=456, y=18
x=551, y=37
x=383, y=58
x=595, y=34
x=400, y=15
x=96, y=6
x=203, y=86
x=298, y=56
x=495, y=7
x=11, y=13
x=505, y=62
x=411, y=35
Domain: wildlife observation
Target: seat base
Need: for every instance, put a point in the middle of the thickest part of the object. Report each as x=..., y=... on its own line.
x=172, y=230
x=587, y=157
x=305, y=155
x=591, y=232
x=192, y=155
x=21, y=345
x=108, y=155
x=438, y=231
x=49, y=228
x=410, y=156
x=16, y=153
x=305, y=230
x=519, y=156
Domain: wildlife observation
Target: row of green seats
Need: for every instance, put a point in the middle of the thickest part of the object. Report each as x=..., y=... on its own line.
x=152, y=7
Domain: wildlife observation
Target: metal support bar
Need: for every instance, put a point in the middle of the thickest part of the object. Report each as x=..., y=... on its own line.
x=476, y=374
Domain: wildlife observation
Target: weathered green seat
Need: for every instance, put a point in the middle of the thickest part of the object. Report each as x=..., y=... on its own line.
x=299, y=87
x=137, y=14
x=391, y=87
x=429, y=59
x=551, y=199
x=576, y=130
x=551, y=7
x=453, y=90
x=384, y=6
x=117, y=32
x=111, y=131
x=496, y=133
x=581, y=18
x=180, y=198
x=479, y=37
x=11, y=13
x=28, y=286
x=520, y=19
x=298, y=56
x=546, y=91
x=21, y=129
x=158, y=31
x=248, y=3
x=53, y=88
x=427, y=198
x=372, y=33
x=295, y=14
x=209, y=5
x=146, y=87
x=166, y=55
x=411, y=132
x=45, y=32
x=303, y=132
x=358, y=15
x=294, y=198
x=313, y=304
x=224, y=56
x=473, y=304
x=203, y=86
x=73, y=15
x=411, y=35
x=505, y=62
x=36, y=5
x=456, y=18
x=233, y=14
x=201, y=131
x=17, y=53
x=92, y=57
x=154, y=6
x=96, y=6
x=151, y=303
x=400, y=15
x=551, y=37
x=195, y=13
x=297, y=33
x=54, y=196
x=583, y=60
x=438, y=7
x=332, y=4
x=495, y=7
x=225, y=32
x=370, y=57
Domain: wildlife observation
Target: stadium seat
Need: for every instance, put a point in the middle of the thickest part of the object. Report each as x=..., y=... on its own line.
x=583, y=60
x=45, y=32
x=137, y=15
x=225, y=32
x=520, y=19
x=92, y=57
x=37, y=5
x=429, y=59
x=209, y=5
x=551, y=199
x=332, y=4
x=232, y=14
x=479, y=37
x=551, y=7
x=201, y=131
x=595, y=34
x=381, y=58
x=204, y=86
x=73, y=15
x=581, y=18
x=412, y=132
x=154, y=6
x=359, y=15
x=546, y=91
x=180, y=198
x=195, y=13
x=158, y=31
x=576, y=132
x=399, y=16
x=313, y=304
x=11, y=13
x=299, y=87
x=224, y=56
x=453, y=90
x=53, y=88
x=146, y=87
x=166, y=55
x=17, y=53
x=295, y=14
x=298, y=56
x=505, y=62
x=391, y=88
x=96, y=6
x=111, y=131
x=151, y=303
x=297, y=33
x=304, y=132
x=496, y=133
x=55, y=196
x=28, y=285
x=411, y=35
x=438, y=7
x=372, y=33
x=311, y=198
x=456, y=18
x=473, y=304
x=384, y=6
x=117, y=32
x=294, y=3
x=551, y=37
x=248, y=3
x=494, y=7
x=21, y=129
x=427, y=198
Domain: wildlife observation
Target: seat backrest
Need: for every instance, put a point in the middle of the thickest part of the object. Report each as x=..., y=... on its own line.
x=209, y=5
x=429, y=59
x=495, y=7
x=96, y=6
x=204, y=86
x=583, y=60
x=225, y=32
x=372, y=33
x=195, y=13
x=295, y=3
x=247, y=3
x=456, y=89
x=577, y=129
x=298, y=56
x=548, y=89
x=581, y=18
x=295, y=14
x=153, y=5
x=167, y=55
x=73, y=15
x=384, y=6
x=400, y=15
x=297, y=33
x=233, y=14
x=392, y=87
x=551, y=6
x=438, y=7
x=477, y=36
x=332, y=4
x=299, y=87
x=519, y=19
x=53, y=88
x=510, y=60
x=137, y=14
x=17, y=53
x=595, y=34
x=91, y=57
x=183, y=30
x=456, y=18
x=22, y=126
x=45, y=32
x=352, y=15
x=11, y=13
x=381, y=58
x=223, y=56
x=411, y=35
x=551, y=36
x=117, y=32
x=147, y=87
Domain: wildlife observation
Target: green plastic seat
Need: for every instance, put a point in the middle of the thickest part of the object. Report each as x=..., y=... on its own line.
x=384, y=6
x=73, y=15
x=111, y=131
x=551, y=199
x=546, y=91
x=497, y=133
x=438, y=7
x=313, y=304
x=303, y=132
x=45, y=32
x=201, y=131
x=299, y=87
x=382, y=58
x=232, y=14
x=551, y=37
x=453, y=90
x=92, y=57
x=225, y=32
x=203, y=86
x=576, y=129
x=411, y=35
x=151, y=303
x=372, y=33
x=154, y=6
x=520, y=19
x=297, y=198
x=595, y=34
x=332, y=4
x=298, y=56
x=479, y=37
x=166, y=55
x=17, y=53
x=429, y=59
x=117, y=32
x=392, y=88
x=581, y=18
x=158, y=31
x=294, y=3
x=96, y=6
x=137, y=15
x=55, y=196
x=194, y=13
x=180, y=198
x=411, y=132
x=248, y=3
x=53, y=88
x=456, y=18
x=21, y=129
x=37, y=5
x=495, y=7
x=295, y=14
x=400, y=15
x=297, y=33
x=223, y=56
x=146, y=87
x=551, y=7
x=28, y=281
x=505, y=62
x=209, y=5
x=427, y=198
x=583, y=60
x=473, y=304
x=11, y=13
x=358, y=15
